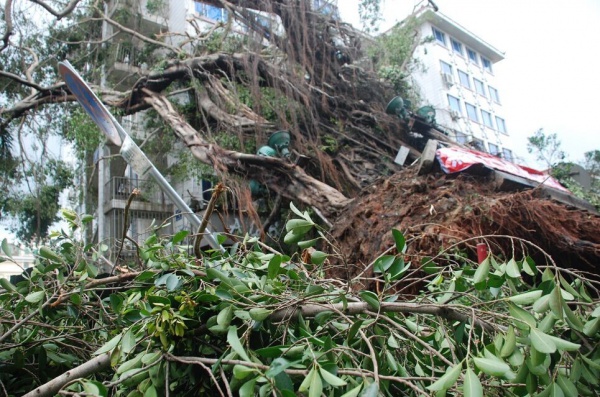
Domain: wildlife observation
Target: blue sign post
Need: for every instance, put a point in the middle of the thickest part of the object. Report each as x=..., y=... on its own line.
x=129, y=149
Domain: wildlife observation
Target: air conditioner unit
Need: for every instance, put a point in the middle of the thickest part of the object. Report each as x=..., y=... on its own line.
x=448, y=79
x=454, y=115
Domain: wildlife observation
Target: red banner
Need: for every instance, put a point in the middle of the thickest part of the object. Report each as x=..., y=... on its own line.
x=455, y=159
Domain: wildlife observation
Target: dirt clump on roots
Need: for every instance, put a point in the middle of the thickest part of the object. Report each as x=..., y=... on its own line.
x=439, y=213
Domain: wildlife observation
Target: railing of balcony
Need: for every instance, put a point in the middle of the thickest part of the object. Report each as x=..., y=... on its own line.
x=120, y=188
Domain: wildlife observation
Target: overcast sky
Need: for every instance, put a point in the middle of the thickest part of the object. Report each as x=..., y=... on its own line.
x=550, y=77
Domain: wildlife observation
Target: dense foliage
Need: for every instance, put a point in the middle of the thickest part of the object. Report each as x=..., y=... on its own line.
x=253, y=321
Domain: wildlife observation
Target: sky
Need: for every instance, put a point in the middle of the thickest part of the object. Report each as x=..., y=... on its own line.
x=549, y=78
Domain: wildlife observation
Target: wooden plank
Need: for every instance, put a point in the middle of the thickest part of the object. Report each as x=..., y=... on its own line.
x=428, y=157
x=402, y=155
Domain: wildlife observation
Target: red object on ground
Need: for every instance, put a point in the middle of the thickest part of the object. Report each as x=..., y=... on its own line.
x=456, y=159
x=482, y=252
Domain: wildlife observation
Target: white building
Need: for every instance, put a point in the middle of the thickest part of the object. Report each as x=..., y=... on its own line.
x=456, y=76
x=20, y=258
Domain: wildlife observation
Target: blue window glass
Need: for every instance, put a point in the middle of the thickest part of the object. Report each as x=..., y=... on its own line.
x=457, y=47
x=473, y=56
x=494, y=149
x=494, y=94
x=487, y=65
x=501, y=125
x=472, y=112
x=446, y=68
x=487, y=119
x=210, y=12
x=479, y=87
x=454, y=104
x=507, y=155
x=465, y=81
x=440, y=37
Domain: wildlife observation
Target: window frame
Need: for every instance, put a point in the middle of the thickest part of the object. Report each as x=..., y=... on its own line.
x=489, y=118
x=481, y=85
x=204, y=10
x=494, y=94
x=467, y=77
x=510, y=156
x=450, y=101
x=436, y=31
x=474, y=59
x=487, y=64
x=473, y=113
x=457, y=47
x=501, y=126
x=450, y=68
x=497, y=152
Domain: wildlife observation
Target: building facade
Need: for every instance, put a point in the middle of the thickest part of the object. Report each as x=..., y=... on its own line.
x=456, y=75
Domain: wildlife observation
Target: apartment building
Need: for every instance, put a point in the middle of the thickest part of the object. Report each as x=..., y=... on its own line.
x=457, y=76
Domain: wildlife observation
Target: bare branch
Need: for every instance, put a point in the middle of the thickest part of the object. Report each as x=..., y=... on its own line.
x=90, y=367
x=58, y=14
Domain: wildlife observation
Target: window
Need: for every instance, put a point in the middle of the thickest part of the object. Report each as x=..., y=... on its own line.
x=507, y=155
x=473, y=56
x=494, y=94
x=501, y=125
x=487, y=119
x=461, y=138
x=472, y=112
x=454, y=104
x=446, y=68
x=211, y=12
x=457, y=47
x=440, y=37
x=494, y=149
x=464, y=79
x=479, y=87
x=487, y=65
x=477, y=144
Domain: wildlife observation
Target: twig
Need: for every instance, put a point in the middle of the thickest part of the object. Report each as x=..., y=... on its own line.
x=134, y=193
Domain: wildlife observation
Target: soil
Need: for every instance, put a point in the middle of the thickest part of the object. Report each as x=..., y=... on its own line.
x=439, y=213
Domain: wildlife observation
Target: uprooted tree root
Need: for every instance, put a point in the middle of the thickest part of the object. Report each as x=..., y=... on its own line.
x=439, y=212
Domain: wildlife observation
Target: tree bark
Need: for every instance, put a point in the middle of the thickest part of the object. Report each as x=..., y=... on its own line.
x=52, y=387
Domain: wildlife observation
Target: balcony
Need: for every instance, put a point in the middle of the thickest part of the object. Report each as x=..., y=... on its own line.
x=151, y=199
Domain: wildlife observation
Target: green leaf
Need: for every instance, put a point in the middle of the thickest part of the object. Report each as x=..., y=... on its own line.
x=353, y=392
x=399, y=240
x=510, y=343
x=305, y=385
x=512, y=269
x=318, y=257
x=541, y=341
x=556, y=303
x=371, y=298
x=173, y=282
x=529, y=266
x=525, y=318
x=494, y=367
x=481, y=274
x=151, y=391
x=472, y=386
x=259, y=313
x=564, y=345
x=383, y=263
x=128, y=342
x=179, y=236
x=331, y=378
x=108, y=346
x=526, y=298
x=447, y=380
x=35, y=297
x=307, y=243
x=6, y=248
x=278, y=365
x=370, y=391
x=236, y=345
x=291, y=237
x=542, y=304
x=299, y=226
x=47, y=253
x=592, y=327
x=225, y=316
x=274, y=267
x=316, y=386
x=241, y=371
x=567, y=386
x=247, y=389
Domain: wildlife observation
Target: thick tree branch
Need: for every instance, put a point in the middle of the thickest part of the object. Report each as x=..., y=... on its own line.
x=9, y=24
x=52, y=387
x=283, y=177
x=444, y=311
x=58, y=14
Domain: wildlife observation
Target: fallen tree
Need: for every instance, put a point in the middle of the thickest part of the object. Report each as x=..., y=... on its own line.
x=259, y=322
